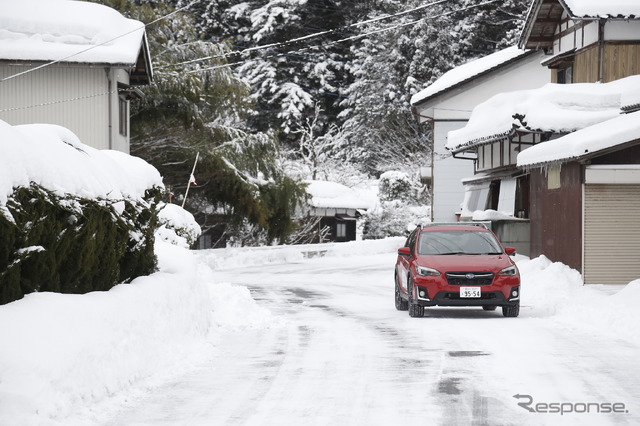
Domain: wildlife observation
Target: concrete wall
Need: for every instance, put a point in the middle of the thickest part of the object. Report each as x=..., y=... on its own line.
x=514, y=234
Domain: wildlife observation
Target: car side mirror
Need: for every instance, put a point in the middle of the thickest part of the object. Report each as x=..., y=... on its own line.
x=404, y=251
x=510, y=251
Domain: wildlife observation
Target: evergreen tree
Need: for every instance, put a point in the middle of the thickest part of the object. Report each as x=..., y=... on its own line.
x=194, y=107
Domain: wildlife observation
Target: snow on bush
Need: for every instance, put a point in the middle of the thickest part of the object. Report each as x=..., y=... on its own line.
x=400, y=209
x=90, y=212
x=177, y=226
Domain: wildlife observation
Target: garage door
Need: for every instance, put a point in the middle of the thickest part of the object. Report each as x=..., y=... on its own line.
x=611, y=233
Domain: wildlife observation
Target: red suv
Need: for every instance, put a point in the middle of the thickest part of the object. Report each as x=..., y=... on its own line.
x=456, y=265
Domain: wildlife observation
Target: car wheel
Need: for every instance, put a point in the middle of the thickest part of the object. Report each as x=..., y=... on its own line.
x=401, y=304
x=511, y=310
x=489, y=307
x=415, y=310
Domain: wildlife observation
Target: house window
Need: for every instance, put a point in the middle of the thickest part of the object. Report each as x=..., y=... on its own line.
x=341, y=230
x=565, y=75
x=123, y=116
x=553, y=177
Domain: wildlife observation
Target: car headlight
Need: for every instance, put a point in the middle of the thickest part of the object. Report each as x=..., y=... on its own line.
x=427, y=272
x=511, y=271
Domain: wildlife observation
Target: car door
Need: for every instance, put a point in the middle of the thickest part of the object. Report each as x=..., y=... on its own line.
x=403, y=264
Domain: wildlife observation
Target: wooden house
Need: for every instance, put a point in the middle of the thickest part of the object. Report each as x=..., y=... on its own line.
x=585, y=196
x=447, y=104
x=587, y=41
x=585, y=186
x=74, y=64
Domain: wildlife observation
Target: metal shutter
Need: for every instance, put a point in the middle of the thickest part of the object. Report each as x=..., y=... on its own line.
x=611, y=233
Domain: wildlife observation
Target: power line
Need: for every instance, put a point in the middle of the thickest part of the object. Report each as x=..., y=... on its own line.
x=306, y=37
x=296, y=40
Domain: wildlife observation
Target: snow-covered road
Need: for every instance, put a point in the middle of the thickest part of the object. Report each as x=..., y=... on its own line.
x=334, y=351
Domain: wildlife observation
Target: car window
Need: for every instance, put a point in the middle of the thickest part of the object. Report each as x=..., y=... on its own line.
x=458, y=242
x=408, y=242
x=411, y=242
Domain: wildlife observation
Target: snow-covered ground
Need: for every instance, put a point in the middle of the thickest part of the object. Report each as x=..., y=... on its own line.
x=318, y=343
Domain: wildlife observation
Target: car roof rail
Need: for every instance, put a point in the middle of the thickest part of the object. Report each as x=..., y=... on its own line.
x=482, y=224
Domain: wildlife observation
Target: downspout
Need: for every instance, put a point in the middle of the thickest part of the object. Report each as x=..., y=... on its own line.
x=415, y=113
x=109, y=106
x=601, y=23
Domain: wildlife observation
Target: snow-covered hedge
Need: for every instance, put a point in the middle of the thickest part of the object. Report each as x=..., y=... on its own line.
x=177, y=226
x=72, y=218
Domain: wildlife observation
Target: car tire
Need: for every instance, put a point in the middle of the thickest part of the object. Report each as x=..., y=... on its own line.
x=489, y=307
x=401, y=304
x=511, y=311
x=415, y=310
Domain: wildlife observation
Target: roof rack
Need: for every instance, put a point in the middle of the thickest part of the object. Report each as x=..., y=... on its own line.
x=483, y=224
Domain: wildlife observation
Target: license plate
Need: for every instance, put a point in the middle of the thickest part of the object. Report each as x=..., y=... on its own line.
x=468, y=292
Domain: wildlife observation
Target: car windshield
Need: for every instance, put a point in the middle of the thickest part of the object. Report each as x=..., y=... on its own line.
x=458, y=242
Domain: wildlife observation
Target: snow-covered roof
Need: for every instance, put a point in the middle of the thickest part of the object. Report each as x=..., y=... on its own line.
x=468, y=71
x=558, y=108
x=603, y=9
x=53, y=157
x=326, y=194
x=602, y=136
x=69, y=31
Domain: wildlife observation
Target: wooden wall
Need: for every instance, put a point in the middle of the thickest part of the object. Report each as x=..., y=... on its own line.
x=556, y=216
x=585, y=69
x=621, y=60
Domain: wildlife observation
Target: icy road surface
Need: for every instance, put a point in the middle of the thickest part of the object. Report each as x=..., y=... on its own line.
x=338, y=353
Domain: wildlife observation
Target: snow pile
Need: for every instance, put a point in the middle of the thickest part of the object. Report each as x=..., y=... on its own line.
x=54, y=158
x=489, y=214
x=553, y=289
x=52, y=30
x=228, y=258
x=559, y=108
x=177, y=226
x=63, y=352
x=467, y=71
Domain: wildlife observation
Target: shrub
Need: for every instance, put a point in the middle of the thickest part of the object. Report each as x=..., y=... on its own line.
x=69, y=244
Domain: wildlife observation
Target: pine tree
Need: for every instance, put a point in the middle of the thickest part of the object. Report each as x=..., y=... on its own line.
x=197, y=107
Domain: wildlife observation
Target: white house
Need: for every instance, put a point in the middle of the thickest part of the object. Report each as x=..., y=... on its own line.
x=74, y=64
x=447, y=104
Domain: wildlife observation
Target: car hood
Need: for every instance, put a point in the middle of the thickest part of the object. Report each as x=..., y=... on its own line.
x=466, y=262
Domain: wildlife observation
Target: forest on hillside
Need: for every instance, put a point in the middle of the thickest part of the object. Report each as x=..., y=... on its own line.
x=271, y=92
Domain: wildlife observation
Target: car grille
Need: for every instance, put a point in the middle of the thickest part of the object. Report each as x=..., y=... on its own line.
x=469, y=278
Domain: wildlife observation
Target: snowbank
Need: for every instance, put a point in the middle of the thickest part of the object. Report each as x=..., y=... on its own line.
x=250, y=256
x=61, y=353
x=554, y=289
